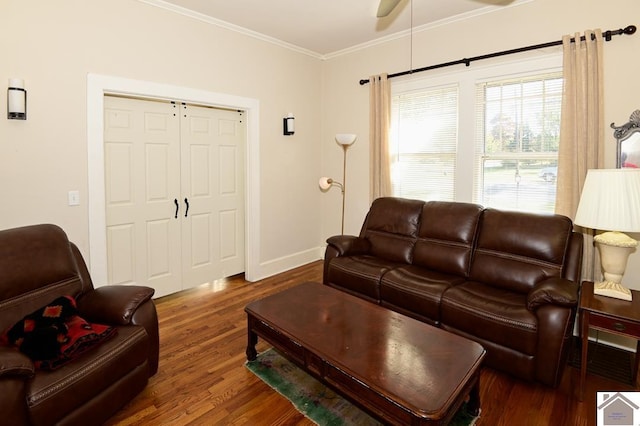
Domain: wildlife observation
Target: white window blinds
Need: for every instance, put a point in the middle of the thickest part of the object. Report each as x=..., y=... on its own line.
x=518, y=128
x=423, y=143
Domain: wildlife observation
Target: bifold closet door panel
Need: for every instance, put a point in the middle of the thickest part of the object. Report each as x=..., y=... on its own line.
x=212, y=141
x=142, y=180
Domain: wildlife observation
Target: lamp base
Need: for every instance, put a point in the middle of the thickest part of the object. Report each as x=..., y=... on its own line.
x=612, y=289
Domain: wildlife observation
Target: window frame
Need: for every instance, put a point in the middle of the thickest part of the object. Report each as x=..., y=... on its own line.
x=467, y=166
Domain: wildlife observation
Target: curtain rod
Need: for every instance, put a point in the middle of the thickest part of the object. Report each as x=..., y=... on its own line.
x=631, y=29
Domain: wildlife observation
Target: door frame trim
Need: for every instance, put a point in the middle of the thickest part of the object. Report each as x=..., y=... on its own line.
x=100, y=85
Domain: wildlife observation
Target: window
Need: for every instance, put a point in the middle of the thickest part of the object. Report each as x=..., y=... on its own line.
x=423, y=143
x=487, y=135
x=518, y=135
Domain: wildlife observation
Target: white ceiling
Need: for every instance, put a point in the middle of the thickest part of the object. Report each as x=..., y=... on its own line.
x=327, y=27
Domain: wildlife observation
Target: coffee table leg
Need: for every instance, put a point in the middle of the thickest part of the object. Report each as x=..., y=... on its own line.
x=473, y=406
x=252, y=340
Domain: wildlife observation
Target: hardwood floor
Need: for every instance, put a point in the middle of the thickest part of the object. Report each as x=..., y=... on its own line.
x=203, y=381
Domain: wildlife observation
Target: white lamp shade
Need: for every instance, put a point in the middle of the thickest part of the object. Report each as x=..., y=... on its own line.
x=610, y=200
x=325, y=183
x=346, y=138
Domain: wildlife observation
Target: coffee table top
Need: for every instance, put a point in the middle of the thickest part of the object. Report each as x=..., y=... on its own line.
x=424, y=367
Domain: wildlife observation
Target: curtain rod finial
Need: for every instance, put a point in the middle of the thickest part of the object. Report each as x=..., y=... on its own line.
x=631, y=29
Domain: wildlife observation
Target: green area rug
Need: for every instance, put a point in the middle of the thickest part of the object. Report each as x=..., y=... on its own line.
x=315, y=400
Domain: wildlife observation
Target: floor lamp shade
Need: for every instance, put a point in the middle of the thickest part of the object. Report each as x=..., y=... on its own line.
x=610, y=201
x=345, y=138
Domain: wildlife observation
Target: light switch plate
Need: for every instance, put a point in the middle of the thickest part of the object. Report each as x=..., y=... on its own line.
x=74, y=198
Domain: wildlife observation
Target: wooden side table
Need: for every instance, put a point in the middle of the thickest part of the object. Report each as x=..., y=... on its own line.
x=611, y=315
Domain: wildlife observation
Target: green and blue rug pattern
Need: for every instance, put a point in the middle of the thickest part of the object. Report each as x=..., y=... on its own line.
x=315, y=400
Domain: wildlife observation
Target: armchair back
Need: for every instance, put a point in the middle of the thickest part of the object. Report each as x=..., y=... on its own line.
x=38, y=265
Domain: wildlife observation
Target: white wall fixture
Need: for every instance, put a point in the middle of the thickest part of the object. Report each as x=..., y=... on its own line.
x=610, y=201
x=345, y=140
x=16, y=100
x=289, y=124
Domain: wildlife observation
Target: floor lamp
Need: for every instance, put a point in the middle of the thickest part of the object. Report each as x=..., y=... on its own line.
x=345, y=140
x=610, y=201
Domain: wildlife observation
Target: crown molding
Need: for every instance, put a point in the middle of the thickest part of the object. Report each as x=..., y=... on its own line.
x=229, y=26
x=232, y=27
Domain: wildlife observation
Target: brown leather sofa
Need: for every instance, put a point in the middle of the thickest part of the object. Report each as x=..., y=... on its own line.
x=37, y=265
x=507, y=280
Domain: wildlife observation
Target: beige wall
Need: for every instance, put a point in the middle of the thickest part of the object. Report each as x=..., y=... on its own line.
x=53, y=46
x=535, y=22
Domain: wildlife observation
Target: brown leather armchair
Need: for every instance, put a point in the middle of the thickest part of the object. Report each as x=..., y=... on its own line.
x=37, y=265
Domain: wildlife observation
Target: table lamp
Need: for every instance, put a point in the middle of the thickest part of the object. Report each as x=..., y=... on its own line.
x=610, y=201
x=345, y=140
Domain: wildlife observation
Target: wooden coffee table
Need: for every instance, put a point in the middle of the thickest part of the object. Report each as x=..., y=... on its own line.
x=398, y=369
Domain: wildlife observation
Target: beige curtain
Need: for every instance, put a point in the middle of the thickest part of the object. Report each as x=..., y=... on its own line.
x=582, y=127
x=379, y=117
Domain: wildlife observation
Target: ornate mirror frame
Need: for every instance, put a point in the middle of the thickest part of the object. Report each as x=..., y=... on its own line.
x=628, y=142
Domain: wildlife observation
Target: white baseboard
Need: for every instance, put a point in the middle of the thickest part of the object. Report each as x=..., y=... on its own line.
x=286, y=263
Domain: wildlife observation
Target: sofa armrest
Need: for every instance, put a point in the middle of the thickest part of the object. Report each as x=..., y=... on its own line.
x=348, y=245
x=113, y=305
x=553, y=291
x=14, y=363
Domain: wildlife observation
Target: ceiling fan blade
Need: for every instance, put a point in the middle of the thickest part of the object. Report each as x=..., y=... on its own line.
x=385, y=7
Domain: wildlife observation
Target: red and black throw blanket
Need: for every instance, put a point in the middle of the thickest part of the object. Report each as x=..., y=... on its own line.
x=55, y=334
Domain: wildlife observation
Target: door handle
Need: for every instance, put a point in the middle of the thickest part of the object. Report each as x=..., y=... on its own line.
x=175, y=200
x=186, y=201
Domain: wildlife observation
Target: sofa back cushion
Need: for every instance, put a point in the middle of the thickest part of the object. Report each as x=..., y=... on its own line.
x=516, y=250
x=37, y=265
x=391, y=226
x=446, y=236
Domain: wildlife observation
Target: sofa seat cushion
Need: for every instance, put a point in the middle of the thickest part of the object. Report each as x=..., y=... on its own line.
x=416, y=291
x=359, y=275
x=491, y=313
x=87, y=376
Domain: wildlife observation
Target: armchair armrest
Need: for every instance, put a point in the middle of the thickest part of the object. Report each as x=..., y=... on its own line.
x=14, y=363
x=347, y=245
x=113, y=305
x=553, y=291
x=15, y=370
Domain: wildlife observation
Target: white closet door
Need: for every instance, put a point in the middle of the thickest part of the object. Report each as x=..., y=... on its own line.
x=174, y=193
x=213, y=188
x=142, y=176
